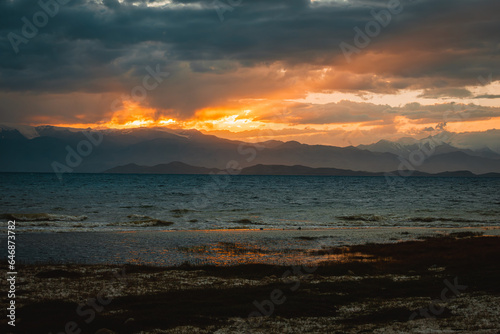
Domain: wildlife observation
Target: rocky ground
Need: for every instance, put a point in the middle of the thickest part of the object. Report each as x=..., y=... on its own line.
x=438, y=285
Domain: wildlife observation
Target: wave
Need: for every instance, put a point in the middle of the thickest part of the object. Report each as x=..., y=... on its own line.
x=150, y=222
x=36, y=217
x=490, y=213
x=364, y=218
x=247, y=222
x=135, y=216
x=440, y=219
x=180, y=212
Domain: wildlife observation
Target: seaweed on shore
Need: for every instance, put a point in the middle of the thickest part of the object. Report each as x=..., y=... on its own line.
x=358, y=295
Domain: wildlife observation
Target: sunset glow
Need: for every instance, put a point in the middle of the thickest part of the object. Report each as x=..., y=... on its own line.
x=226, y=79
x=255, y=125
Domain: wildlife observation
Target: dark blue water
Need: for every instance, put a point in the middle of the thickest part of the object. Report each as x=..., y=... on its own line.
x=108, y=202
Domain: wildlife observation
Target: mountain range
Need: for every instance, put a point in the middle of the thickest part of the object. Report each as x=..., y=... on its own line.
x=49, y=148
x=182, y=168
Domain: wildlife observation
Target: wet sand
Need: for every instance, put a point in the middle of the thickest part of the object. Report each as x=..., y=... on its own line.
x=440, y=284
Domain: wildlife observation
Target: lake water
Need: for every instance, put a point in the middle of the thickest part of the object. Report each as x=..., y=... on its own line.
x=112, y=202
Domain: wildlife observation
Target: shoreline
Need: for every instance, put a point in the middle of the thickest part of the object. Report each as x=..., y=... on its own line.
x=396, y=287
x=219, y=247
x=258, y=229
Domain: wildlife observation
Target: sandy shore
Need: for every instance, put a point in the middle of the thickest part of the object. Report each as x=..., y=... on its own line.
x=440, y=285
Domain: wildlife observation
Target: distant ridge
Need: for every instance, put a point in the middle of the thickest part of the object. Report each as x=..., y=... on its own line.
x=301, y=170
x=175, y=167
x=260, y=169
x=58, y=149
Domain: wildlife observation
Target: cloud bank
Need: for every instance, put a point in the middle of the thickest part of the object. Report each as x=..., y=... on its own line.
x=262, y=56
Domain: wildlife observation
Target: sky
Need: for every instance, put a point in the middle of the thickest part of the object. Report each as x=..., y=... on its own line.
x=336, y=72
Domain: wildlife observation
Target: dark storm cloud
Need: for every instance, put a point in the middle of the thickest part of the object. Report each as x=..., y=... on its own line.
x=92, y=47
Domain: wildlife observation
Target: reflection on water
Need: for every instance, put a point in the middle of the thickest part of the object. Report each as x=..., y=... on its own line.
x=172, y=248
x=231, y=253
x=225, y=253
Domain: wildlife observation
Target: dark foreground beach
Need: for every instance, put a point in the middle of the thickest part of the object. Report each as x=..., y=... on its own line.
x=438, y=284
